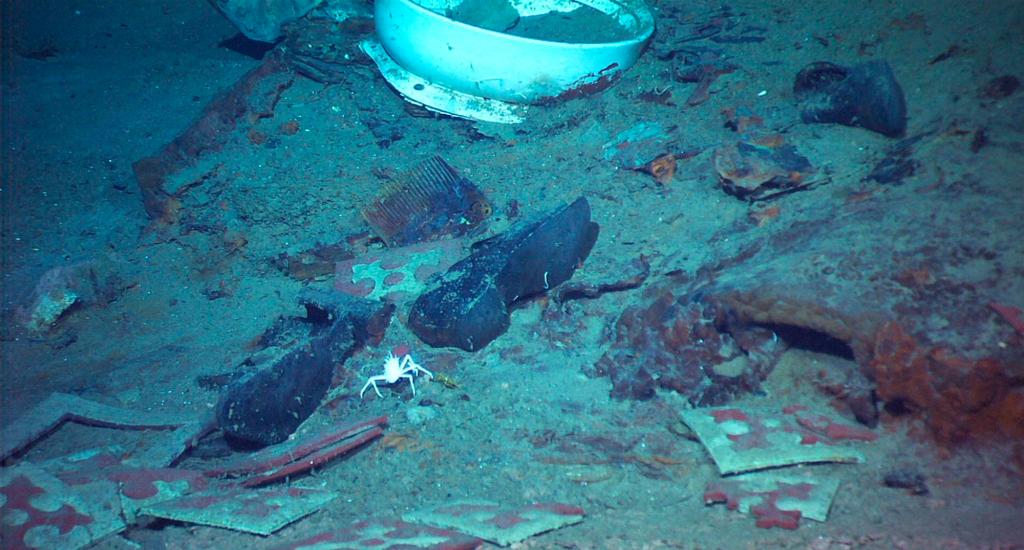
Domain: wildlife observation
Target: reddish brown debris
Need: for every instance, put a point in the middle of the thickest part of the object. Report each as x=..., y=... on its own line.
x=252, y=98
x=1013, y=315
x=766, y=511
x=662, y=168
x=689, y=344
x=957, y=398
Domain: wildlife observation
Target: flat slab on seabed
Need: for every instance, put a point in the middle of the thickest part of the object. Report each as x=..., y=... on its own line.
x=497, y=523
x=388, y=533
x=258, y=511
x=754, y=438
x=776, y=500
x=40, y=511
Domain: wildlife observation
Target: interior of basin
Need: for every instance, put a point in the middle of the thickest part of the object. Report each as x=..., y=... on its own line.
x=565, y=21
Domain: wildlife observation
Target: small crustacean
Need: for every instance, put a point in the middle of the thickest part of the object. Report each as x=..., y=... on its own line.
x=448, y=381
x=394, y=370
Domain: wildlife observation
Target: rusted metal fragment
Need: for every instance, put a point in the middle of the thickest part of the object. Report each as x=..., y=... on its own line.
x=688, y=343
x=253, y=97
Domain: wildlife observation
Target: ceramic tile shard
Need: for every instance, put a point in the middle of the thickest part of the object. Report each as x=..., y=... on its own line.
x=106, y=481
x=62, y=407
x=775, y=500
x=260, y=512
x=497, y=523
x=168, y=448
x=387, y=534
x=396, y=274
x=41, y=511
x=747, y=439
x=109, y=471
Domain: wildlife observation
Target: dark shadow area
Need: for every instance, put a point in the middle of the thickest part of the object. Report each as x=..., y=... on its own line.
x=898, y=407
x=812, y=340
x=247, y=47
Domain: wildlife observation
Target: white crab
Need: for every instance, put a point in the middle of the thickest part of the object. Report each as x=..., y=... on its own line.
x=393, y=370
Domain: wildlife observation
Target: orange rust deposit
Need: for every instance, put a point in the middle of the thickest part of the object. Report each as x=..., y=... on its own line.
x=952, y=398
x=860, y=196
x=958, y=399
x=402, y=443
x=256, y=137
x=290, y=128
x=762, y=217
x=662, y=168
x=915, y=278
x=771, y=140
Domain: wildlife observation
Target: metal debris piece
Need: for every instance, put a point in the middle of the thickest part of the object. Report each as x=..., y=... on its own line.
x=177, y=180
x=300, y=454
x=425, y=203
x=635, y=147
x=389, y=533
x=325, y=45
x=497, y=523
x=775, y=500
x=747, y=439
x=261, y=511
x=764, y=170
x=703, y=69
x=41, y=511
